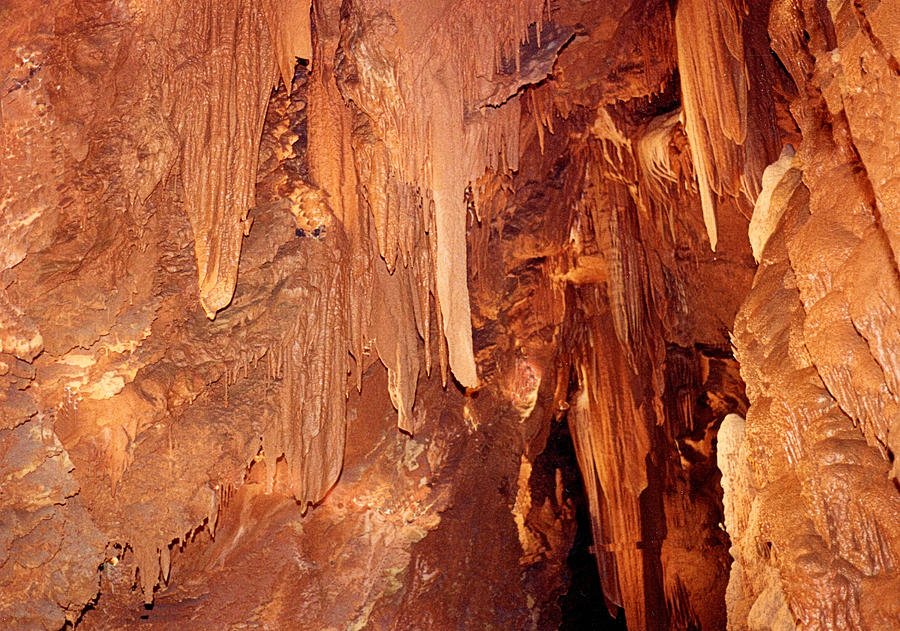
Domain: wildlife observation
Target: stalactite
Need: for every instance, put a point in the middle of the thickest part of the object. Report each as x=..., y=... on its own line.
x=309, y=426
x=223, y=71
x=289, y=32
x=438, y=149
x=332, y=170
x=397, y=341
x=605, y=413
x=710, y=51
x=630, y=286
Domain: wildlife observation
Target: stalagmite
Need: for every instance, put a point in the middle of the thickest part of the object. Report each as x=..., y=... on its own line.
x=778, y=184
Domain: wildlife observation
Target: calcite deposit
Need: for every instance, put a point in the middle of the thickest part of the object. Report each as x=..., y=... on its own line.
x=391, y=314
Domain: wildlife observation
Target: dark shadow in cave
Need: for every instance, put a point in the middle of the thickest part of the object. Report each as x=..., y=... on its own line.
x=583, y=606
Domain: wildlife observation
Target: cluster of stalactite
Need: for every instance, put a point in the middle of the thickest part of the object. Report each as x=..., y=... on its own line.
x=205, y=248
x=654, y=378
x=155, y=290
x=646, y=170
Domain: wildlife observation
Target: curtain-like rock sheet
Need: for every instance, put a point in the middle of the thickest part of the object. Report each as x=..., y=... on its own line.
x=222, y=74
x=289, y=31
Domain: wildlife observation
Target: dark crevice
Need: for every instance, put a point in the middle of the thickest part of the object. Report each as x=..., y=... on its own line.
x=583, y=606
x=877, y=44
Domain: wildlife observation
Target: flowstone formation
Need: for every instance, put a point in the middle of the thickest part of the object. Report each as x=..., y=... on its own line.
x=300, y=303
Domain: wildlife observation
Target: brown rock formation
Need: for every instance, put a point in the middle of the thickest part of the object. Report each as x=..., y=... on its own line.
x=239, y=240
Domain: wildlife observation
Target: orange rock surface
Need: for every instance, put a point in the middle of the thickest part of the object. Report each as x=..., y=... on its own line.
x=382, y=314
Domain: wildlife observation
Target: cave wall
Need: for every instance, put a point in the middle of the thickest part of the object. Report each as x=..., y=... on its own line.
x=284, y=342
x=814, y=493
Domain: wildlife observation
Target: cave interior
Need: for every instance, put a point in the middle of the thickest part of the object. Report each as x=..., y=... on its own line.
x=457, y=314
